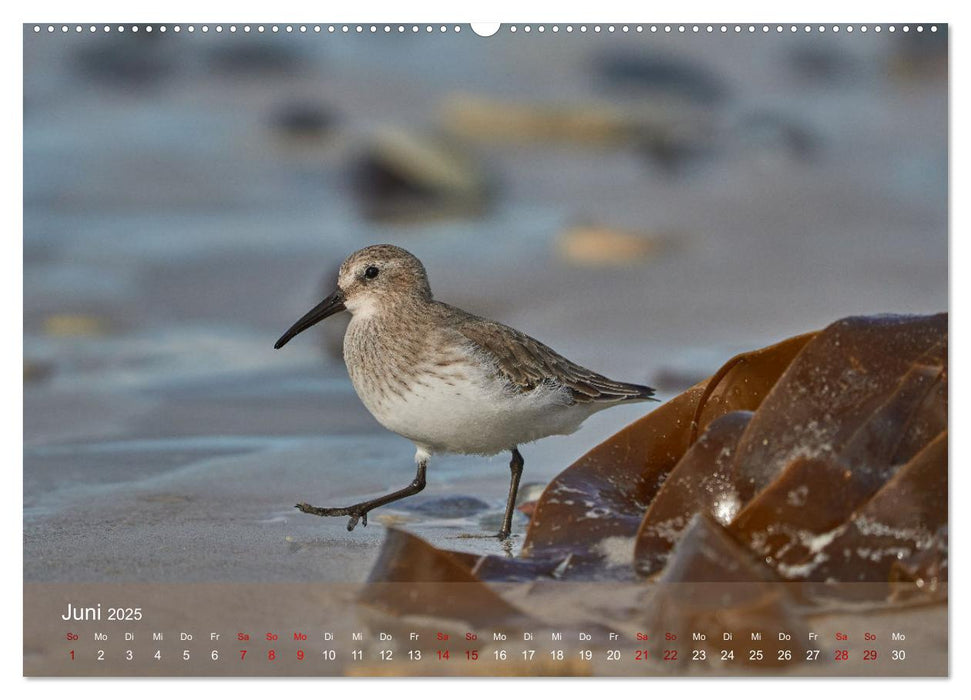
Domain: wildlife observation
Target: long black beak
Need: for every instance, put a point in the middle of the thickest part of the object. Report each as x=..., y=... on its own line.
x=328, y=307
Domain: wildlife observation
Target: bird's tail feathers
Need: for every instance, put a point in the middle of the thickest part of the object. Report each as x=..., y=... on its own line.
x=611, y=391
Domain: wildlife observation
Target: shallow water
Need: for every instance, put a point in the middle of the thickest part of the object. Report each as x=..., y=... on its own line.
x=172, y=232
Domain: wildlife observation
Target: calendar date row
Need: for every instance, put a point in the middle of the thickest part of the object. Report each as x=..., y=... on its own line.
x=670, y=655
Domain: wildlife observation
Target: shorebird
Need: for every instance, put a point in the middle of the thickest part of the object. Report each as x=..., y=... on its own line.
x=449, y=381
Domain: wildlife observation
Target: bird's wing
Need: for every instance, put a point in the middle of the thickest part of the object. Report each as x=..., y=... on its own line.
x=527, y=363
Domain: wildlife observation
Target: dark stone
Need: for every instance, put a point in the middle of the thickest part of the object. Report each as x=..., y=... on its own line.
x=303, y=120
x=447, y=507
x=661, y=74
x=253, y=58
x=131, y=61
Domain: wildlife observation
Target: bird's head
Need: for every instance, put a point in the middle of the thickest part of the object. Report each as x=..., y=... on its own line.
x=368, y=280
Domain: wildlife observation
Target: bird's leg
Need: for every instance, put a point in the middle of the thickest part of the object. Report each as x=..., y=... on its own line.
x=359, y=511
x=516, y=469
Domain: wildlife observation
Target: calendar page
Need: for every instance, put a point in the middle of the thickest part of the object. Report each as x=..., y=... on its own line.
x=485, y=350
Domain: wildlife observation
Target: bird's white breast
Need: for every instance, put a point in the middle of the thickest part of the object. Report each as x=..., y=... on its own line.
x=452, y=401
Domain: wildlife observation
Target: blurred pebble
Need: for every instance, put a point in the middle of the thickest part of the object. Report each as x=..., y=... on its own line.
x=448, y=507
x=303, y=120
x=484, y=119
x=690, y=365
x=673, y=153
x=529, y=491
x=662, y=74
x=593, y=124
x=673, y=381
x=37, y=371
x=401, y=175
x=132, y=61
x=600, y=246
x=253, y=59
x=671, y=134
x=771, y=134
x=823, y=64
x=67, y=325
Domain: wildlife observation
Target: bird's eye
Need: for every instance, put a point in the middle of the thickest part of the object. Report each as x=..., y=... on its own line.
x=371, y=272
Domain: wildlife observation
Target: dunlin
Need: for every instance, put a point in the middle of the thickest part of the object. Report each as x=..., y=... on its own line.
x=447, y=380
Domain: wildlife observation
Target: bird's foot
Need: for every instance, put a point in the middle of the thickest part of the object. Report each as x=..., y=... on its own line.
x=356, y=513
x=503, y=535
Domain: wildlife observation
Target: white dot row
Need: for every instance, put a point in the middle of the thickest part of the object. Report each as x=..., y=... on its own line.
x=259, y=28
x=414, y=28
x=723, y=28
